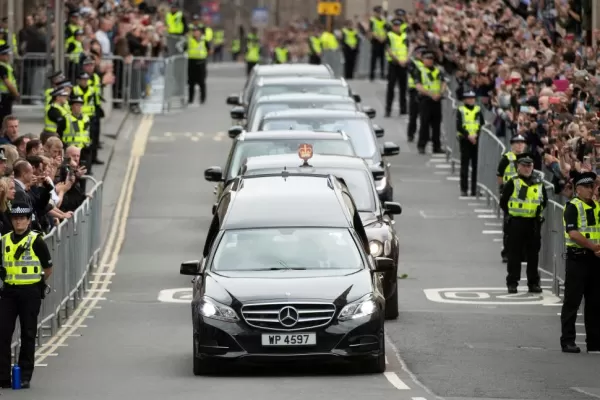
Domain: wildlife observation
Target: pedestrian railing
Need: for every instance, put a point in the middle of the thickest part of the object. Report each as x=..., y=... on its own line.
x=491, y=149
x=74, y=246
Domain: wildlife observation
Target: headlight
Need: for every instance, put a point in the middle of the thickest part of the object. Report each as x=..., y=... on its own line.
x=360, y=308
x=380, y=184
x=376, y=248
x=210, y=308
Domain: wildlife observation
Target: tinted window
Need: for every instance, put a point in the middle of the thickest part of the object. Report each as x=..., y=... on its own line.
x=302, y=248
x=257, y=148
x=358, y=130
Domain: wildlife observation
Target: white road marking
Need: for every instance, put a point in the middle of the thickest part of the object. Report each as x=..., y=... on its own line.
x=422, y=214
x=585, y=392
x=546, y=279
x=488, y=296
x=194, y=139
x=404, y=367
x=438, y=160
x=453, y=178
x=441, y=172
x=498, y=240
x=553, y=305
x=167, y=134
x=492, y=232
x=40, y=365
x=114, y=241
x=219, y=136
x=187, y=134
x=409, y=180
x=475, y=204
x=98, y=290
x=103, y=273
x=438, y=156
x=486, y=216
x=396, y=381
x=443, y=166
x=467, y=197
x=492, y=223
x=483, y=210
x=579, y=314
x=419, y=398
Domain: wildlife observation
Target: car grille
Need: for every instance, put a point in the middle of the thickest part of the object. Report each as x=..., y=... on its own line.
x=288, y=316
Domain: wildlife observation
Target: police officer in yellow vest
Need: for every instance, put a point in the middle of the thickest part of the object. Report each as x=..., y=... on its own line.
x=88, y=93
x=414, y=66
x=329, y=41
x=55, y=78
x=62, y=85
x=315, y=47
x=56, y=118
x=281, y=53
x=252, y=50
x=74, y=51
x=9, y=90
x=378, y=35
x=524, y=198
x=217, y=44
x=236, y=48
x=430, y=84
x=175, y=21
x=401, y=14
x=95, y=82
x=397, y=57
x=197, y=48
x=350, y=48
x=73, y=24
x=196, y=22
x=26, y=267
x=469, y=121
x=77, y=132
x=581, y=219
x=507, y=169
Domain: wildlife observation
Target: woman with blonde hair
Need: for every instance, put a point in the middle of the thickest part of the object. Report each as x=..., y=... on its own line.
x=11, y=154
x=7, y=194
x=53, y=149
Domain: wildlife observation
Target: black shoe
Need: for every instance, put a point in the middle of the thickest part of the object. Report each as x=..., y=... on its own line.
x=411, y=139
x=98, y=162
x=25, y=384
x=473, y=194
x=535, y=289
x=387, y=114
x=463, y=193
x=421, y=150
x=403, y=112
x=438, y=151
x=5, y=385
x=512, y=289
x=571, y=348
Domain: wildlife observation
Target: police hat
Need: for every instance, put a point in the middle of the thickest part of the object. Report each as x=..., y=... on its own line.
x=55, y=75
x=76, y=100
x=428, y=55
x=469, y=94
x=23, y=209
x=525, y=158
x=400, y=12
x=64, y=84
x=518, y=139
x=585, y=178
x=75, y=13
x=4, y=49
x=60, y=91
x=377, y=9
x=397, y=22
x=420, y=49
x=88, y=60
x=78, y=32
x=83, y=75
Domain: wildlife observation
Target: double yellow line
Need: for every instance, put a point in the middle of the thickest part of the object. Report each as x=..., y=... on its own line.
x=114, y=243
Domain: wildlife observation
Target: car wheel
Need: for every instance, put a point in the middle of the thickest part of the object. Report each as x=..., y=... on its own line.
x=391, y=305
x=377, y=364
x=201, y=366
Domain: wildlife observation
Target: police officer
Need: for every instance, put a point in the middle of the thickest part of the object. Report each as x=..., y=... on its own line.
x=507, y=169
x=74, y=49
x=328, y=40
x=55, y=78
x=73, y=24
x=217, y=45
x=175, y=21
x=430, y=84
x=582, y=280
x=236, y=48
x=89, y=95
x=26, y=266
x=397, y=57
x=378, y=36
x=350, y=48
x=315, y=48
x=414, y=67
x=252, y=50
x=196, y=23
x=524, y=198
x=197, y=50
x=56, y=119
x=469, y=120
x=281, y=53
x=400, y=13
x=65, y=85
x=9, y=90
x=77, y=131
x=95, y=82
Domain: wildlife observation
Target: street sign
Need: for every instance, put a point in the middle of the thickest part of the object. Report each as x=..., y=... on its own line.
x=331, y=8
x=260, y=17
x=489, y=296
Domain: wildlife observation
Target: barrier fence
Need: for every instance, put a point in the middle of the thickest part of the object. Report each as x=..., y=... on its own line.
x=155, y=83
x=491, y=149
x=74, y=246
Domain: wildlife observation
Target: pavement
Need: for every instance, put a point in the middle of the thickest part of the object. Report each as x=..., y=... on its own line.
x=459, y=335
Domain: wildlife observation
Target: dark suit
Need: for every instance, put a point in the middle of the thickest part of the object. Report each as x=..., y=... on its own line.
x=36, y=199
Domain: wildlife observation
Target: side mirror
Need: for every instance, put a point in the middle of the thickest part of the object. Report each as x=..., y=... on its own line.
x=384, y=264
x=233, y=100
x=379, y=131
x=213, y=174
x=234, y=131
x=191, y=268
x=357, y=98
x=390, y=149
x=377, y=172
x=237, y=113
x=370, y=111
x=392, y=208
x=214, y=208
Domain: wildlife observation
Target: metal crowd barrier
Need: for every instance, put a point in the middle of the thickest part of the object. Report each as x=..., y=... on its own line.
x=157, y=83
x=75, y=247
x=491, y=149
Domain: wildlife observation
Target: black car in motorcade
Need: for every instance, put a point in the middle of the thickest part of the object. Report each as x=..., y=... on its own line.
x=286, y=275
x=281, y=70
x=286, y=101
x=355, y=173
x=355, y=124
x=252, y=144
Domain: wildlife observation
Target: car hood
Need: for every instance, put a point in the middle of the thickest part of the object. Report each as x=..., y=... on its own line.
x=369, y=218
x=252, y=286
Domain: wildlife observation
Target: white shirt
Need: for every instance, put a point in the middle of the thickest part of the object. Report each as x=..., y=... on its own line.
x=102, y=38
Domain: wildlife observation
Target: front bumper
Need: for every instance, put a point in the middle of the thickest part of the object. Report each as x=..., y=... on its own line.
x=353, y=340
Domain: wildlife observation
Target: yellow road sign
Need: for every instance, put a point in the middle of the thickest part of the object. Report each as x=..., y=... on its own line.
x=329, y=8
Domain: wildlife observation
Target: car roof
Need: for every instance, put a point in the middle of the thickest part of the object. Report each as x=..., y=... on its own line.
x=291, y=134
x=317, y=161
x=291, y=69
x=304, y=97
x=300, y=80
x=293, y=201
x=317, y=113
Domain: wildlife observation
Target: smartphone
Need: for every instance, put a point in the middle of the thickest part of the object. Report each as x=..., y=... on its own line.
x=524, y=109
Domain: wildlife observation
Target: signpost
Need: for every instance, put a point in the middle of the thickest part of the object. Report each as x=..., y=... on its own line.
x=329, y=9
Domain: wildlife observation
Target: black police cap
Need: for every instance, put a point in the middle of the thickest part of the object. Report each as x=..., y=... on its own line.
x=55, y=75
x=4, y=49
x=76, y=100
x=18, y=209
x=518, y=139
x=428, y=55
x=469, y=94
x=585, y=178
x=377, y=9
x=397, y=22
x=400, y=12
x=525, y=158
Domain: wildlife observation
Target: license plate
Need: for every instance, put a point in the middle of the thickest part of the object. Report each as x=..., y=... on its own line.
x=296, y=339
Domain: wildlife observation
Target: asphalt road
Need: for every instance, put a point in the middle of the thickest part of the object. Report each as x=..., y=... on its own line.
x=465, y=340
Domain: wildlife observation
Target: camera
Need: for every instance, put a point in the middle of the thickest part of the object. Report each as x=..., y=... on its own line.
x=64, y=170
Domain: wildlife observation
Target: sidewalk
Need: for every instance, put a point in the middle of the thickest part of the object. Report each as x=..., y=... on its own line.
x=110, y=131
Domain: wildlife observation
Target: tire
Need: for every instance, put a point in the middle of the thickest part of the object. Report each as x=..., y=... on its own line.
x=201, y=366
x=391, y=305
x=377, y=364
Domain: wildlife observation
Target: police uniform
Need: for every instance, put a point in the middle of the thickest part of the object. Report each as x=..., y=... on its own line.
x=507, y=169
x=236, y=48
x=94, y=82
x=581, y=219
x=26, y=264
x=315, y=48
x=252, y=51
x=77, y=132
x=524, y=198
x=56, y=118
x=281, y=54
x=7, y=74
x=469, y=120
x=377, y=28
x=55, y=78
x=74, y=51
x=350, y=49
x=400, y=13
x=175, y=21
x=397, y=57
x=414, y=66
x=197, y=48
x=72, y=25
x=217, y=45
x=431, y=83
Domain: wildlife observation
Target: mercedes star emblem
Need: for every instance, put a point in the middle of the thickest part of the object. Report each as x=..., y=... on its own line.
x=288, y=316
